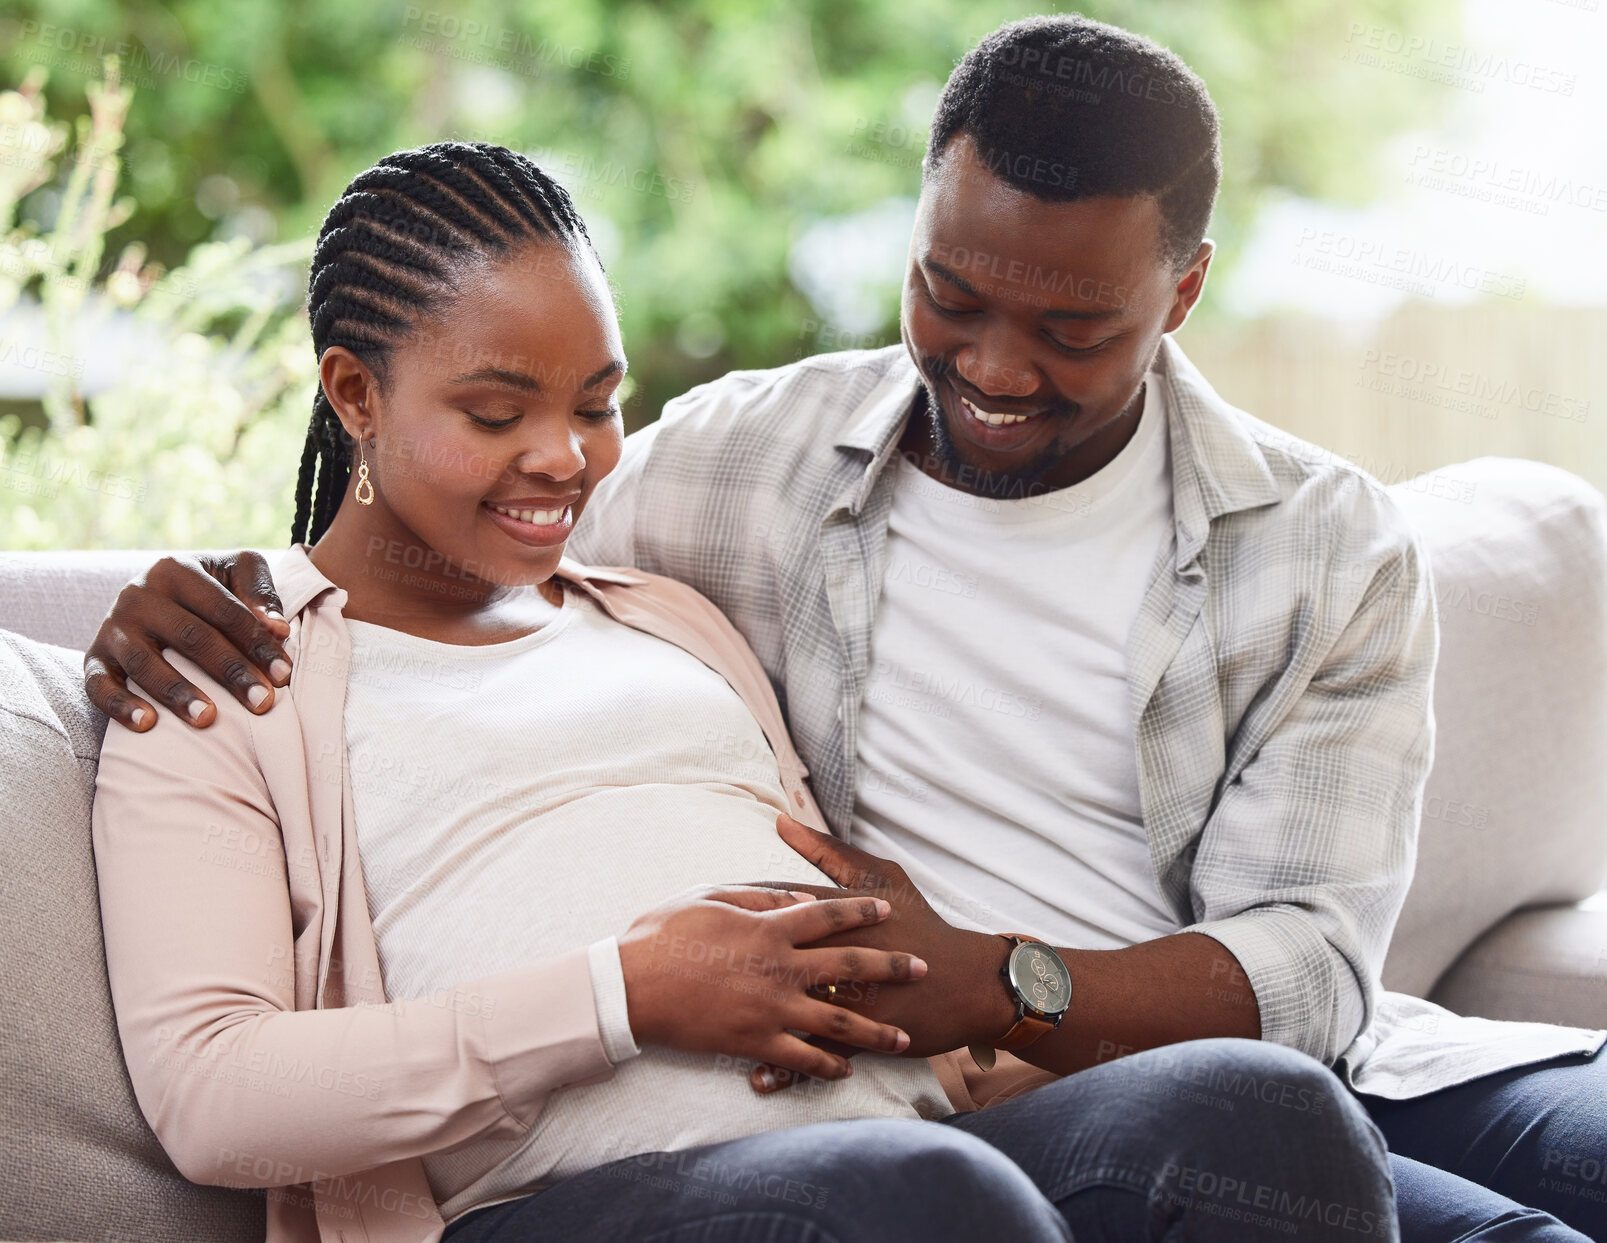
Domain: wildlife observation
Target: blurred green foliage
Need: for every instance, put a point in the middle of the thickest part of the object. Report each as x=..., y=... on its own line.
x=700, y=138
x=198, y=431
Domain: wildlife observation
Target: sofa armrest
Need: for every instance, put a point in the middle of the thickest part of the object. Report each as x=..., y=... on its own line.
x=1546, y=964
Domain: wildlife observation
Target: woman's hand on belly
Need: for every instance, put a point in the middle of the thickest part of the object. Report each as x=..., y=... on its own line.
x=961, y=1001
x=721, y=971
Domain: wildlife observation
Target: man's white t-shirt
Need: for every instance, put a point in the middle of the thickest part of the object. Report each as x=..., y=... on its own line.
x=996, y=742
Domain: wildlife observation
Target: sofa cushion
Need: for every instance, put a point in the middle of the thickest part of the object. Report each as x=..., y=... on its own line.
x=81, y=1163
x=1547, y=965
x=1515, y=809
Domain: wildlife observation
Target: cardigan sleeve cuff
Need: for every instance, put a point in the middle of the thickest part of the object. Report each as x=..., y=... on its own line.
x=542, y=1032
x=608, y=991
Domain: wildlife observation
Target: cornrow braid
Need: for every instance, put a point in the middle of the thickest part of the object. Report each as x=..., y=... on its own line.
x=388, y=248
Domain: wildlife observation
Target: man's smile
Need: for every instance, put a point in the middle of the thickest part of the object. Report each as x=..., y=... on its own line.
x=992, y=429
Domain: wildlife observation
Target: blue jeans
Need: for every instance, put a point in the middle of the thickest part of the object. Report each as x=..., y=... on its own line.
x=1212, y=1140
x=1518, y=1155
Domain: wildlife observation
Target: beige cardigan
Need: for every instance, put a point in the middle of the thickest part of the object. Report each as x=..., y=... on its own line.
x=233, y=906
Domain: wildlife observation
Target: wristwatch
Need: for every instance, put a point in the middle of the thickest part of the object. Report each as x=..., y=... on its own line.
x=1040, y=986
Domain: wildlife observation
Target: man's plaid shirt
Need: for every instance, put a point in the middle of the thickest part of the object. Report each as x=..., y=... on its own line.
x=1280, y=669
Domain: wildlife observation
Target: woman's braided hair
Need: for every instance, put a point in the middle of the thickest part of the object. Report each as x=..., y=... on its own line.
x=388, y=247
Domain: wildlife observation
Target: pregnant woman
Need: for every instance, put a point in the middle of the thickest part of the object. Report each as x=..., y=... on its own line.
x=433, y=946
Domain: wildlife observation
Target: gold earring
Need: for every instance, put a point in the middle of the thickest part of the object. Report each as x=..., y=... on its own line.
x=362, y=477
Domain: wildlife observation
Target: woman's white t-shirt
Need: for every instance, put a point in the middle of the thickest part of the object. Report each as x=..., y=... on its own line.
x=520, y=800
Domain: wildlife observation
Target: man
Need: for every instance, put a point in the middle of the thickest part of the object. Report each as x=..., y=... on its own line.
x=1073, y=650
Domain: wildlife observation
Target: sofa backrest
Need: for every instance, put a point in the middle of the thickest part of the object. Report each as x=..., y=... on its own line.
x=1513, y=808
x=62, y=597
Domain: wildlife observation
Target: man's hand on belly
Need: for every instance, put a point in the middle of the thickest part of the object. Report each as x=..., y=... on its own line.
x=945, y=1010
x=1187, y=986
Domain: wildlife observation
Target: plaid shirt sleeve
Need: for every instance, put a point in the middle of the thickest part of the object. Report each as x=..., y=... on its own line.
x=1305, y=860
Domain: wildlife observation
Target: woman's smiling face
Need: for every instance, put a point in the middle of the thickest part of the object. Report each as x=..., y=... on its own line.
x=492, y=423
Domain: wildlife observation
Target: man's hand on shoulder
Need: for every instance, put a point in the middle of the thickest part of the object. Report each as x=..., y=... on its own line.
x=221, y=611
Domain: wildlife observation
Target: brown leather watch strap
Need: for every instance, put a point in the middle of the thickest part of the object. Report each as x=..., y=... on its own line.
x=1029, y=1027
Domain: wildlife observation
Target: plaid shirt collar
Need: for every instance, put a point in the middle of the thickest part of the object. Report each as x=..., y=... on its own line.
x=1217, y=467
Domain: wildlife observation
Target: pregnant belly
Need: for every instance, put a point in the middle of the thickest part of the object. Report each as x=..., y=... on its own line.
x=601, y=862
x=664, y=1101
x=530, y=887
x=645, y=844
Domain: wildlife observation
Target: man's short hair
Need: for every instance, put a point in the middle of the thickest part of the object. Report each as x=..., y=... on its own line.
x=1067, y=108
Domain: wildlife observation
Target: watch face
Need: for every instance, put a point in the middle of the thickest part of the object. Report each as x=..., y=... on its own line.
x=1040, y=978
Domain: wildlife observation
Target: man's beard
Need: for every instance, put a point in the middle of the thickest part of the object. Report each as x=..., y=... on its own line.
x=996, y=485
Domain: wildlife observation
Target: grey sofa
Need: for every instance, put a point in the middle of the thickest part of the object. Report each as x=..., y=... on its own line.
x=1504, y=918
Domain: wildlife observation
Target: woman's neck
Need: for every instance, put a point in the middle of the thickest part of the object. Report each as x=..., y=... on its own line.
x=398, y=584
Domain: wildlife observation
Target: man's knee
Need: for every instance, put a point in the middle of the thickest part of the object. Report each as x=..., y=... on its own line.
x=1291, y=1135
x=1247, y=1077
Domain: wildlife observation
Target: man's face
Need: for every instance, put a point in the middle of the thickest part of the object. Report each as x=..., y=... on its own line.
x=1015, y=306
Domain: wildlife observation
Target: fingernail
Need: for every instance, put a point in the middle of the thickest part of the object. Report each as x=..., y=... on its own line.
x=256, y=695
x=899, y=1045
x=767, y=1078
x=275, y=614
x=195, y=709
x=883, y=907
x=848, y=1070
x=802, y=897
x=279, y=671
x=918, y=968
x=139, y=716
